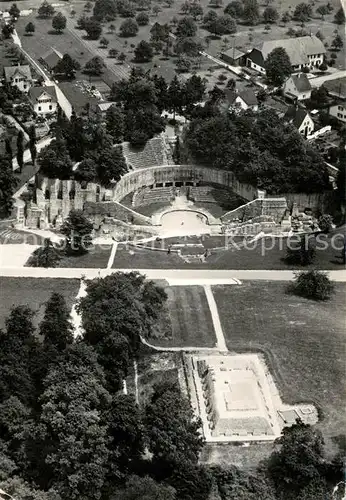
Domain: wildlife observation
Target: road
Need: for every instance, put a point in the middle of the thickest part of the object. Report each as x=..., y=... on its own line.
x=63, y=102
x=317, y=82
x=173, y=276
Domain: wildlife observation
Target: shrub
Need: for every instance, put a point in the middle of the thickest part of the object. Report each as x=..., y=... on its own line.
x=302, y=253
x=312, y=285
x=325, y=223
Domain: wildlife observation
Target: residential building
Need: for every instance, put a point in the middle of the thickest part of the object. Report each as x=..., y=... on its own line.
x=297, y=87
x=19, y=76
x=338, y=110
x=51, y=58
x=304, y=51
x=43, y=99
x=300, y=119
x=233, y=57
x=241, y=101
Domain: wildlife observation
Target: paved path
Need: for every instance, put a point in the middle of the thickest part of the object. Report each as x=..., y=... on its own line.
x=317, y=82
x=75, y=316
x=220, y=338
x=112, y=255
x=195, y=276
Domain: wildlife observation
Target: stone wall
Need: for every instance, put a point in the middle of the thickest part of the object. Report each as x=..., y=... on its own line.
x=100, y=210
x=317, y=202
x=275, y=207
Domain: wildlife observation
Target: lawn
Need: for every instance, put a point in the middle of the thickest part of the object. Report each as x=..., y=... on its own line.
x=187, y=320
x=33, y=292
x=97, y=257
x=267, y=253
x=303, y=342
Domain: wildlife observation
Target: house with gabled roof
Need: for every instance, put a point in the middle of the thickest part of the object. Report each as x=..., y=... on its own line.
x=241, y=101
x=297, y=87
x=303, y=51
x=51, y=58
x=300, y=118
x=43, y=100
x=18, y=76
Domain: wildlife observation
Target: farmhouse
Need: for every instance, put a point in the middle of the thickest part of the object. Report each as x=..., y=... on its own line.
x=304, y=51
x=18, y=76
x=301, y=119
x=43, y=100
x=297, y=87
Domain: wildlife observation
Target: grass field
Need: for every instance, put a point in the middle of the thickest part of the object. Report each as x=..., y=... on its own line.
x=33, y=292
x=97, y=257
x=267, y=254
x=303, y=341
x=187, y=321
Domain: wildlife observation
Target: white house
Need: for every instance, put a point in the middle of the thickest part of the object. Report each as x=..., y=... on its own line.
x=241, y=101
x=43, y=99
x=338, y=110
x=297, y=87
x=304, y=51
x=301, y=119
x=19, y=76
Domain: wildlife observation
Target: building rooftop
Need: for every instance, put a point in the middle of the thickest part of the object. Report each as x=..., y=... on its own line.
x=24, y=70
x=36, y=92
x=301, y=82
x=233, y=53
x=248, y=96
x=52, y=57
x=297, y=49
x=295, y=115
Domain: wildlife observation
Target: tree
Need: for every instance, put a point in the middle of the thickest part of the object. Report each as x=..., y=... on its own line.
x=186, y=28
x=312, y=285
x=56, y=328
x=122, y=57
x=183, y=63
x=111, y=164
x=67, y=67
x=319, y=97
x=54, y=160
x=235, y=9
x=337, y=43
x=323, y=11
x=196, y=11
x=270, y=15
x=172, y=440
x=303, y=12
x=143, y=52
x=32, y=143
x=235, y=484
x=320, y=35
x=339, y=17
x=95, y=66
x=30, y=29
x=20, y=149
x=278, y=66
x=17, y=346
x=142, y=19
x=8, y=183
x=103, y=8
x=299, y=459
x=59, y=22
x=14, y=11
x=193, y=91
x=139, y=488
x=77, y=229
x=45, y=256
x=128, y=28
x=86, y=171
x=156, y=9
x=104, y=42
x=93, y=28
x=301, y=252
x=45, y=10
x=70, y=440
x=220, y=25
x=191, y=481
x=126, y=431
x=251, y=12
x=113, y=53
